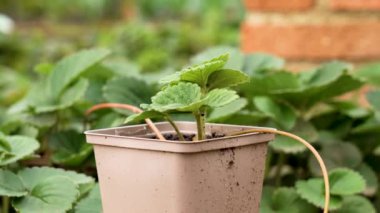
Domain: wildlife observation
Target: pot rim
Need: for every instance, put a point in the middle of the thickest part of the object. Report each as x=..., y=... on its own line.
x=110, y=137
x=95, y=132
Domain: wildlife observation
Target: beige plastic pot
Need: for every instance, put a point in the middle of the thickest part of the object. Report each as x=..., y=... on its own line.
x=142, y=175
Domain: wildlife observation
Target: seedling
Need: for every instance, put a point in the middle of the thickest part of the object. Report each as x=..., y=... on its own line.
x=195, y=90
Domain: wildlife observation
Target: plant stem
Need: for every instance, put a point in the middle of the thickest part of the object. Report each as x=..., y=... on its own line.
x=5, y=207
x=170, y=120
x=200, y=118
x=280, y=164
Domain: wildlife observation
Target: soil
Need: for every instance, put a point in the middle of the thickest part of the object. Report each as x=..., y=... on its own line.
x=188, y=137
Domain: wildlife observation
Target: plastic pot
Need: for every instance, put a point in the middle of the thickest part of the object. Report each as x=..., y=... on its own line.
x=143, y=175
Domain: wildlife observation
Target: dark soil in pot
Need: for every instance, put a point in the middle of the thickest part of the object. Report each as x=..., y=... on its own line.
x=188, y=137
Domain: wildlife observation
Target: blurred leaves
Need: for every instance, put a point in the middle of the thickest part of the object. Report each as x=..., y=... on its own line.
x=284, y=200
x=16, y=147
x=312, y=191
x=91, y=203
x=305, y=89
x=342, y=182
x=236, y=58
x=356, y=204
x=70, y=148
x=259, y=63
x=69, y=68
x=370, y=73
x=128, y=90
x=11, y=184
x=345, y=182
x=335, y=155
x=227, y=110
x=284, y=115
x=43, y=189
x=303, y=129
x=60, y=90
x=56, y=194
x=308, y=104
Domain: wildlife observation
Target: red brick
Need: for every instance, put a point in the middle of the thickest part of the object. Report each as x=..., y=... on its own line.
x=355, y=4
x=314, y=42
x=278, y=5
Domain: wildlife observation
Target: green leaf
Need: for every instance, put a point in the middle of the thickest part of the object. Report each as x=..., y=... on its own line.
x=374, y=99
x=351, y=109
x=69, y=148
x=144, y=115
x=181, y=97
x=376, y=151
x=246, y=117
x=227, y=110
x=286, y=145
x=371, y=125
x=69, y=68
x=73, y=93
x=281, y=113
x=13, y=84
x=39, y=99
x=174, y=77
x=41, y=120
x=4, y=143
x=95, y=88
x=303, y=129
x=256, y=63
x=220, y=97
x=90, y=204
x=273, y=83
x=236, y=58
x=337, y=155
x=370, y=73
x=68, y=98
x=345, y=182
x=43, y=68
x=5, y=147
x=198, y=74
x=305, y=89
x=128, y=90
x=370, y=178
x=54, y=194
x=122, y=67
x=28, y=131
x=21, y=147
x=226, y=78
x=38, y=95
x=33, y=176
x=326, y=82
x=356, y=204
x=11, y=185
x=312, y=191
x=284, y=200
x=325, y=74
x=109, y=120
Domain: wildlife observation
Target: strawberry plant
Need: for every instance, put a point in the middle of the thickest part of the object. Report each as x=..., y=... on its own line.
x=194, y=89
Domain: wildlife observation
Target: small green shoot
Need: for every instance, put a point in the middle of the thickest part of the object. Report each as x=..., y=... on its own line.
x=195, y=90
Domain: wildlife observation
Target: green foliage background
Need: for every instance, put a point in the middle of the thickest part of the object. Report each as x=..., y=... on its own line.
x=47, y=82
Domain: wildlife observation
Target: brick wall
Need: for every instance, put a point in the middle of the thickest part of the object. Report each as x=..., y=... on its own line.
x=309, y=31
